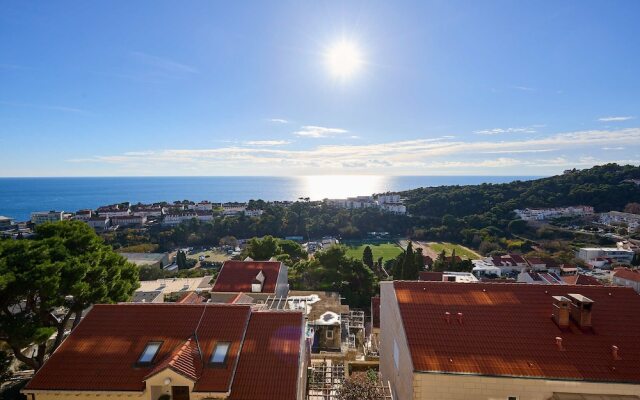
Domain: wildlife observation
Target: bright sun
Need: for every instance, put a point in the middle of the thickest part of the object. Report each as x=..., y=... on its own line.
x=344, y=59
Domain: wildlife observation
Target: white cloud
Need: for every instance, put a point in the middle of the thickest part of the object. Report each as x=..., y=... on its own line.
x=497, y=131
x=318, y=131
x=278, y=120
x=266, y=142
x=418, y=156
x=615, y=119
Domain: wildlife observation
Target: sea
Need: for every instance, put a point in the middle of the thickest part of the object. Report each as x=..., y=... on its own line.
x=21, y=196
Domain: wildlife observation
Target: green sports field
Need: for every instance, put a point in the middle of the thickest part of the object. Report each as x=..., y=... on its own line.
x=461, y=251
x=385, y=250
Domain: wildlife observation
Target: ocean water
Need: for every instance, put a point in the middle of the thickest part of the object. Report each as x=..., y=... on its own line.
x=20, y=196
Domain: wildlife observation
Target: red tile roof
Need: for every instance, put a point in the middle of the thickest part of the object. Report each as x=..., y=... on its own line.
x=580, y=279
x=430, y=276
x=628, y=274
x=270, y=358
x=507, y=329
x=236, y=276
x=102, y=352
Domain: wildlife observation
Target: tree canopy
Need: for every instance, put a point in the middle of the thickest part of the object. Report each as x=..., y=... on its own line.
x=46, y=280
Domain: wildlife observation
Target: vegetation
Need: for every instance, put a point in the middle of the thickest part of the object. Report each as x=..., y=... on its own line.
x=360, y=387
x=451, y=248
x=387, y=251
x=66, y=267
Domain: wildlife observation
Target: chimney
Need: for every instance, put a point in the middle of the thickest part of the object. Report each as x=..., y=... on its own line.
x=561, y=307
x=581, y=309
x=257, y=283
x=614, y=353
x=459, y=318
x=559, y=343
x=447, y=317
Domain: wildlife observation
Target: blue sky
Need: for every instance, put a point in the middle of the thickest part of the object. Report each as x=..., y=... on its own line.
x=107, y=88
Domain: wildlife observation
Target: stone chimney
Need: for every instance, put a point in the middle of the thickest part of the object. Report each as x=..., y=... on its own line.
x=581, y=307
x=561, y=311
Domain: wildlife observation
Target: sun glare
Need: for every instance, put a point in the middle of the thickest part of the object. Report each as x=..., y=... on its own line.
x=344, y=59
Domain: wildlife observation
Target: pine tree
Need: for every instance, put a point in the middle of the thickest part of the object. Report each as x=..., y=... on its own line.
x=409, y=266
x=367, y=257
x=453, y=263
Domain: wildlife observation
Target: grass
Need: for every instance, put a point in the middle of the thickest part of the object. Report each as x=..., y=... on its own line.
x=461, y=251
x=385, y=250
x=214, y=256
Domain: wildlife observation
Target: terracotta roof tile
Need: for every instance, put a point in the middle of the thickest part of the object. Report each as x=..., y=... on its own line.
x=581, y=279
x=272, y=339
x=507, y=329
x=628, y=274
x=236, y=276
x=185, y=360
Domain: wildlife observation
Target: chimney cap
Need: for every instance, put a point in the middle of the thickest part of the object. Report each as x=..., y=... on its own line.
x=580, y=298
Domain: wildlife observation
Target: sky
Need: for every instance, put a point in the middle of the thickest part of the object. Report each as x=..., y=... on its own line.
x=164, y=88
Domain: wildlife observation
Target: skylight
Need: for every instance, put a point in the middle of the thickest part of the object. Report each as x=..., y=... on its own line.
x=149, y=352
x=219, y=354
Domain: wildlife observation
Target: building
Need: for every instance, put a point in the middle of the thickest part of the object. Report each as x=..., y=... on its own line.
x=176, y=285
x=540, y=214
x=179, y=352
x=506, y=263
x=540, y=278
x=204, y=216
x=536, y=264
x=98, y=223
x=253, y=213
x=632, y=221
x=143, y=210
x=592, y=255
x=5, y=222
x=114, y=210
x=83, y=215
x=231, y=209
x=154, y=296
x=203, y=206
x=581, y=279
x=486, y=341
x=41, y=217
x=269, y=277
x=447, y=276
x=627, y=277
x=178, y=218
x=129, y=221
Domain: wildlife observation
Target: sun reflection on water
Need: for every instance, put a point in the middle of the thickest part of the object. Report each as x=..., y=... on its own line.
x=319, y=187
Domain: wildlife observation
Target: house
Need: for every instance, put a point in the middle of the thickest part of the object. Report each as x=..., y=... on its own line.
x=540, y=214
x=176, y=218
x=269, y=277
x=83, y=215
x=507, y=263
x=143, y=210
x=536, y=264
x=41, y=217
x=204, y=206
x=540, y=278
x=447, y=276
x=204, y=216
x=627, y=277
x=253, y=213
x=98, y=223
x=5, y=222
x=486, y=341
x=177, y=351
x=159, y=260
x=176, y=285
x=581, y=279
x=154, y=296
x=593, y=255
x=231, y=209
x=114, y=210
x=128, y=221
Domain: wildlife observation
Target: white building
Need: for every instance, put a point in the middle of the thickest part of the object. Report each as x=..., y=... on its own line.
x=253, y=213
x=129, y=220
x=616, y=218
x=593, y=255
x=175, y=219
x=203, y=206
x=388, y=198
x=147, y=211
x=540, y=214
x=627, y=277
x=113, y=212
x=397, y=208
x=204, y=216
x=83, y=215
x=5, y=222
x=41, y=217
x=98, y=223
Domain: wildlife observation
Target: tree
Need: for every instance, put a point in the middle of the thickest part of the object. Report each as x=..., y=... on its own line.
x=636, y=260
x=409, y=266
x=633, y=208
x=65, y=269
x=262, y=249
x=230, y=241
x=367, y=257
x=181, y=260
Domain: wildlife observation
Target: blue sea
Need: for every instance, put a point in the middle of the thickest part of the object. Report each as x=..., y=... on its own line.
x=20, y=196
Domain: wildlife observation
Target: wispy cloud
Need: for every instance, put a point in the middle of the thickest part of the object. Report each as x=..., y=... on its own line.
x=266, y=142
x=44, y=107
x=278, y=120
x=426, y=156
x=163, y=63
x=615, y=119
x=524, y=88
x=498, y=131
x=312, y=131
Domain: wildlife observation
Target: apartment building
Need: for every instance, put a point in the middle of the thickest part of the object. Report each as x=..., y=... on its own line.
x=540, y=214
x=487, y=341
x=632, y=221
x=41, y=217
x=596, y=256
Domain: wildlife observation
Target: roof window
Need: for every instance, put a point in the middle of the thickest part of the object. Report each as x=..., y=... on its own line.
x=149, y=352
x=219, y=355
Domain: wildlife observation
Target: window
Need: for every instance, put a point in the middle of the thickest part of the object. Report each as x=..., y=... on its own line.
x=149, y=352
x=329, y=334
x=512, y=398
x=219, y=355
x=396, y=354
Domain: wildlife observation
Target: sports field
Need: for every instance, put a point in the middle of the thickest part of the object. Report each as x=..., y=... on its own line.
x=385, y=250
x=461, y=251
